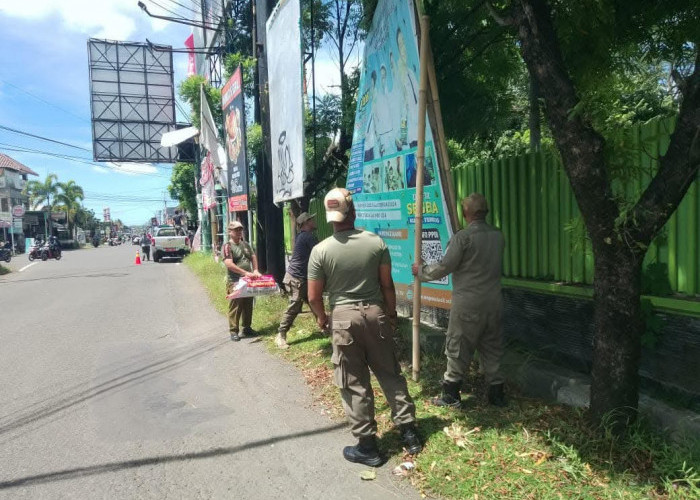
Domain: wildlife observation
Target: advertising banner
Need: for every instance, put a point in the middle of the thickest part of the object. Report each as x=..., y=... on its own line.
x=382, y=170
x=286, y=105
x=207, y=181
x=234, y=123
x=191, y=61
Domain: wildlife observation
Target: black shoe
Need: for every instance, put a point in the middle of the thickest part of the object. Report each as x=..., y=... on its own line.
x=235, y=337
x=450, y=395
x=249, y=332
x=497, y=396
x=365, y=452
x=411, y=440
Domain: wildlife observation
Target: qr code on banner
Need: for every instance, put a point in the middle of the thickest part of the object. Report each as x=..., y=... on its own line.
x=431, y=251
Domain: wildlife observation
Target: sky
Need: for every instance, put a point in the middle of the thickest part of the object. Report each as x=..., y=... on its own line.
x=44, y=91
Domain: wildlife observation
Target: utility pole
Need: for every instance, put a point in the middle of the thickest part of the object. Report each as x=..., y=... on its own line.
x=271, y=236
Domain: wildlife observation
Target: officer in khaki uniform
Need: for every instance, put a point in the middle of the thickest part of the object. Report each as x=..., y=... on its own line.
x=475, y=257
x=354, y=267
x=295, y=277
x=239, y=260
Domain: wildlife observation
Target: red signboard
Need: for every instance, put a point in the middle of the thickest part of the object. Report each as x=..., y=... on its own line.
x=238, y=203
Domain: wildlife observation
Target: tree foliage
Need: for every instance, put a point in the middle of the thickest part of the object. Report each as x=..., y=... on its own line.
x=189, y=91
x=182, y=187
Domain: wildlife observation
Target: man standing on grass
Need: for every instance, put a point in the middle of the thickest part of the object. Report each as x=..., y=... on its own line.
x=295, y=277
x=354, y=267
x=240, y=261
x=475, y=257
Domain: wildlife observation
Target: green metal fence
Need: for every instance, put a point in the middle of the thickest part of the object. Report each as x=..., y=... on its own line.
x=532, y=202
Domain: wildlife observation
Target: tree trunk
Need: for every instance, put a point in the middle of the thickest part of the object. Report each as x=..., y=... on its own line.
x=534, y=118
x=618, y=331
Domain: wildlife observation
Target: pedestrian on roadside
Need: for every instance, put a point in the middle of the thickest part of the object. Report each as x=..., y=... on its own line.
x=295, y=277
x=146, y=246
x=474, y=257
x=354, y=267
x=240, y=261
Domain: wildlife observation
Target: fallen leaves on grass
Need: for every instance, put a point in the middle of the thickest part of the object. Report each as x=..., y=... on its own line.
x=459, y=434
x=317, y=376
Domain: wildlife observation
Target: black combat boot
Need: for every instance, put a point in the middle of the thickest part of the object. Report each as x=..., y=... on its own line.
x=364, y=452
x=496, y=395
x=450, y=395
x=411, y=439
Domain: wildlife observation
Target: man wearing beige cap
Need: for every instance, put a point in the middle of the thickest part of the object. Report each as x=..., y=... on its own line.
x=239, y=260
x=475, y=257
x=295, y=277
x=354, y=267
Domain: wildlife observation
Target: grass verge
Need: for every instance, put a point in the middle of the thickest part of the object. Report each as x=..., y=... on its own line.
x=529, y=450
x=3, y=270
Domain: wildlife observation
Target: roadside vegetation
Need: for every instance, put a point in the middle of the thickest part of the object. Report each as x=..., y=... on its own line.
x=3, y=270
x=528, y=450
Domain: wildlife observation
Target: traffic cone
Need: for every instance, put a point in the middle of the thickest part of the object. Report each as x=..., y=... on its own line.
x=138, y=258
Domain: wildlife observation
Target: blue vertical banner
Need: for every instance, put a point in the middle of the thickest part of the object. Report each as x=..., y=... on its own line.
x=382, y=170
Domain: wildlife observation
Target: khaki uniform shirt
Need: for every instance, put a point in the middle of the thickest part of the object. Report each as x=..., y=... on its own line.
x=348, y=264
x=242, y=256
x=475, y=258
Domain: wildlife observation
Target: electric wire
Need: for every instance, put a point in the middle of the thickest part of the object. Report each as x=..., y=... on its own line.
x=194, y=11
x=21, y=132
x=22, y=149
x=4, y=82
x=166, y=9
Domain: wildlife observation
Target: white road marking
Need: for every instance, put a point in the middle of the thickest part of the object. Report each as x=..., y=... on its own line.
x=27, y=266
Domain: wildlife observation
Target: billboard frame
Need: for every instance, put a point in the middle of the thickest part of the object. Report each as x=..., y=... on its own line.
x=132, y=101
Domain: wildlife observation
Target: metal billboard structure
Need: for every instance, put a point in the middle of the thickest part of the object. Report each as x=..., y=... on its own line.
x=132, y=99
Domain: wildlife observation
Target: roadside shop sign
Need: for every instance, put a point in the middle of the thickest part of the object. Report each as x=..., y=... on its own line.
x=18, y=211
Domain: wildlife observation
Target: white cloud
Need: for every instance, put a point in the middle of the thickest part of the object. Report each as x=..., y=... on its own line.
x=111, y=19
x=133, y=168
x=100, y=170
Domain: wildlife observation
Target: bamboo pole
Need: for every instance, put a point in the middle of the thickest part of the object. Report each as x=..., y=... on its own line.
x=420, y=157
x=441, y=142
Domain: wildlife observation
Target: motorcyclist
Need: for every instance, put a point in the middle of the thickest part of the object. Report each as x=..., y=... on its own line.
x=54, y=246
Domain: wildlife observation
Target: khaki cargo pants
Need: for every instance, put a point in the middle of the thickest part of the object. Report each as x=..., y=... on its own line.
x=470, y=330
x=298, y=294
x=239, y=311
x=363, y=340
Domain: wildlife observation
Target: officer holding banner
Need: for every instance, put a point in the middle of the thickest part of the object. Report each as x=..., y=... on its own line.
x=474, y=257
x=354, y=267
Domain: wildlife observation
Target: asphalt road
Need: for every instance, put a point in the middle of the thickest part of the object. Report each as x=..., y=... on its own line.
x=120, y=381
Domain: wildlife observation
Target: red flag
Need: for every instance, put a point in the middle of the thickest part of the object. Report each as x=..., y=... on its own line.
x=191, y=64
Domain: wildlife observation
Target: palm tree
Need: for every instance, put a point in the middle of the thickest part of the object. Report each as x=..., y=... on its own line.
x=42, y=192
x=70, y=197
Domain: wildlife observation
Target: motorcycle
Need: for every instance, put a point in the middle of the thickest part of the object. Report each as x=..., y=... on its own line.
x=35, y=250
x=50, y=252
x=5, y=254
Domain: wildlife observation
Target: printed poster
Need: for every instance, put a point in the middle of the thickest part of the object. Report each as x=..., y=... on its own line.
x=234, y=124
x=285, y=75
x=382, y=170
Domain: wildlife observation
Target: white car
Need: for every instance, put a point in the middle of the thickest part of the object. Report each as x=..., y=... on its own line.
x=169, y=242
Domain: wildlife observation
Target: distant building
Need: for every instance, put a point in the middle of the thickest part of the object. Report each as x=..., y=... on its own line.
x=13, y=179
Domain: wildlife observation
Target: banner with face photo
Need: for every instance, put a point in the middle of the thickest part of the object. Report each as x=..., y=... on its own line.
x=234, y=125
x=382, y=171
x=285, y=75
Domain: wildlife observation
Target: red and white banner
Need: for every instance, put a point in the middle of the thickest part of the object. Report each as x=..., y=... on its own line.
x=191, y=61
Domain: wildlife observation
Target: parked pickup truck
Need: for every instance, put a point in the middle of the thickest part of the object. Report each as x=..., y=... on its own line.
x=169, y=242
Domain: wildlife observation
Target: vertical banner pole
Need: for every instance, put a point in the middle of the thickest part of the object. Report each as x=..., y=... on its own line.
x=420, y=157
x=441, y=142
